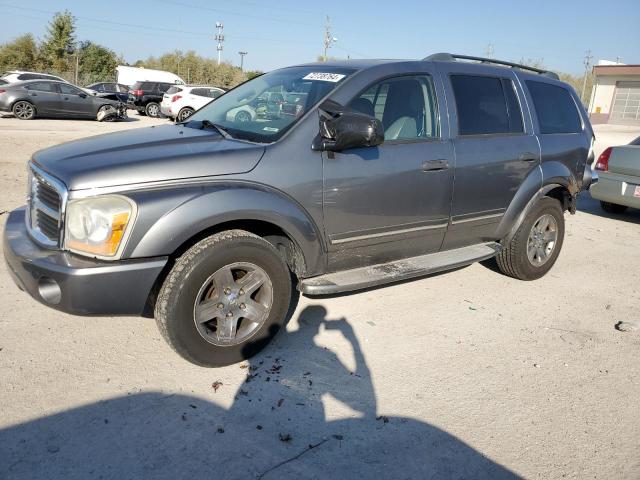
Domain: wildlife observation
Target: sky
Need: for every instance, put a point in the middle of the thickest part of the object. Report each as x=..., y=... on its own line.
x=280, y=33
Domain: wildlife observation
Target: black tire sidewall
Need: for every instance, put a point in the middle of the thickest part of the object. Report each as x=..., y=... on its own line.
x=526, y=269
x=180, y=323
x=185, y=109
x=33, y=114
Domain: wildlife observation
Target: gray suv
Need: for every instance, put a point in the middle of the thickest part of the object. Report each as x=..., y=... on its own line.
x=383, y=171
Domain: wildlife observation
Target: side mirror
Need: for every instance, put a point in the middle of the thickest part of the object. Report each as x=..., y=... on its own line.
x=348, y=130
x=82, y=95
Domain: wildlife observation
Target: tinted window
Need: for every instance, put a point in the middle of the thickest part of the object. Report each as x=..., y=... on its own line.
x=555, y=108
x=69, y=90
x=486, y=105
x=173, y=90
x=406, y=106
x=214, y=93
x=163, y=87
x=122, y=88
x=42, y=87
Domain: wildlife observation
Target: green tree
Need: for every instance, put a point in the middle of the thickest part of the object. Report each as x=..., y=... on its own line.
x=20, y=54
x=97, y=63
x=59, y=41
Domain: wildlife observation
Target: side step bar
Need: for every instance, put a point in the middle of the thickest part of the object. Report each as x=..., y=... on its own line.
x=366, y=277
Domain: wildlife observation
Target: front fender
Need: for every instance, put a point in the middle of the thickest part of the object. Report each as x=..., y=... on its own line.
x=168, y=219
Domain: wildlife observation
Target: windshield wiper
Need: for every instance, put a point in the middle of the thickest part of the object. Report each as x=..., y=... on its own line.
x=218, y=128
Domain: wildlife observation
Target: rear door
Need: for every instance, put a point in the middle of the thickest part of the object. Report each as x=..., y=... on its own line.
x=495, y=148
x=45, y=96
x=391, y=201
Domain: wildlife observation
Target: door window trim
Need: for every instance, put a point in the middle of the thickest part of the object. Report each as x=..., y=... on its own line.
x=487, y=135
x=432, y=76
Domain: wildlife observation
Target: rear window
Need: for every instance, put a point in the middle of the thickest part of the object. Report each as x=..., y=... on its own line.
x=486, y=105
x=556, y=110
x=173, y=90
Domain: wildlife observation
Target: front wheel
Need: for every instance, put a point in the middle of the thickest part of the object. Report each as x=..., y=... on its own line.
x=536, y=245
x=184, y=114
x=613, y=207
x=225, y=299
x=152, y=109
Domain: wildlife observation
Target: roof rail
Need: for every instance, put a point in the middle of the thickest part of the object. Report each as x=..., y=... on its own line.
x=451, y=57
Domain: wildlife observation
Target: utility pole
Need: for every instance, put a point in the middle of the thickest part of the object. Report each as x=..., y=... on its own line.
x=489, y=50
x=328, y=38
x=587, y=64
x=219, y=37
x=242, y=54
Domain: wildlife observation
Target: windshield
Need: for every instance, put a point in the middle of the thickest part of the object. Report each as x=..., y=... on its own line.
x=263, y=109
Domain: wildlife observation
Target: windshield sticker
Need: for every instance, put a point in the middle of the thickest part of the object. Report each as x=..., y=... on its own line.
x=324, y=77
x=271, y=129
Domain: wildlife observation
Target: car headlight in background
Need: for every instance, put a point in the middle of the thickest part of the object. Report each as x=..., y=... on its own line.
x=98, y=226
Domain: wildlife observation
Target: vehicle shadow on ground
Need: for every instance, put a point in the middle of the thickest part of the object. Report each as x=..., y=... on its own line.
x=589, y=205
x=276, y=428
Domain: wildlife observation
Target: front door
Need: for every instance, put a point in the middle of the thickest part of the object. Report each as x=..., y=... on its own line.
x=75, y=102
x=392, y=201
x=44, y=95
x=495, y=150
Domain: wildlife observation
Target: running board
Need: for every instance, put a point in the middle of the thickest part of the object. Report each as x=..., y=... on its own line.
x=374, y=275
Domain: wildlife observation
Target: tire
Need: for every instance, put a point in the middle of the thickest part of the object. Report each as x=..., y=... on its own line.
x=183, y=293
x=24, y=110
x=108, y=119
x=242, y=117
x=613, y=207
x=152, y=109
x=185, y=113
x=514, y=260
x=142, y=113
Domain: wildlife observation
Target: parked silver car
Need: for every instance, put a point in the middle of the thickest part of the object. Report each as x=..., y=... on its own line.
x=619, y=172
x=46, y=98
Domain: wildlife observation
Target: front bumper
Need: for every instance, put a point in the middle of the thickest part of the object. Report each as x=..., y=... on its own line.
x=74, y=284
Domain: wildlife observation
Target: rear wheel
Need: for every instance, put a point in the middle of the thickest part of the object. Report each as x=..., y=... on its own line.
x=225, y=299
x=184, y=114
x=152, y=109
x=242, y=117
x=24, y=110
x=613, y=207
x=536, y=245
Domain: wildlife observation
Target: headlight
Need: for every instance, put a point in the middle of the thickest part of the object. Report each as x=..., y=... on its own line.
x=98, y=226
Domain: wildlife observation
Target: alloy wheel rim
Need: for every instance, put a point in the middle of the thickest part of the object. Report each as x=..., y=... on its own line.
x=153, y=110
x=542, y=240
x=23, y=110
x=233, y=304
x=185, y=114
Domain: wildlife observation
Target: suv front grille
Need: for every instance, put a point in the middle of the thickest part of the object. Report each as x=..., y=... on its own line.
x=46, y=205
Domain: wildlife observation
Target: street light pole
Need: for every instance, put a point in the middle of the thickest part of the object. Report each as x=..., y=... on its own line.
x=242, y=54
x=219, y=38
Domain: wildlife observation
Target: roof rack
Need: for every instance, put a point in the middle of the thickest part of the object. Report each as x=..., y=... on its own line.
x=450, y=57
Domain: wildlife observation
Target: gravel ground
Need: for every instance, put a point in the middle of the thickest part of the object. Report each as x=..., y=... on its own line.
x=467, y=374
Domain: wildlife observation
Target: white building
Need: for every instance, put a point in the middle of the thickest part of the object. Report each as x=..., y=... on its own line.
x=615, y=97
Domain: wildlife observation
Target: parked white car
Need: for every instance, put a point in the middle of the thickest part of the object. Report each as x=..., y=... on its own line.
x=180, y=101
x=20, y=76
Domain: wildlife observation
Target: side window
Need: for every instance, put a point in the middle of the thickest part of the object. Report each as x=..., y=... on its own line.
x=163, y=87
x=122, y=88
x=405, y=105
x=486, y=105
x=69, y=90
x=200, y=92
x=214, y=93
x=555, y=108
x=42, y=87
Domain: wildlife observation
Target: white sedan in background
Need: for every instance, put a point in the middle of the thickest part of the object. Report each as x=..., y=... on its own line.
x=180, y=101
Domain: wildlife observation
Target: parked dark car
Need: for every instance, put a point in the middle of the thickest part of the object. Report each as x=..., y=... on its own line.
x=109, y=88
x=44, y=98
x=145, y=97
x=392, y=170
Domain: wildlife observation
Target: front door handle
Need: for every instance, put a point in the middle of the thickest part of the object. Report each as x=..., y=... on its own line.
x=528, y=157
x=435, y=165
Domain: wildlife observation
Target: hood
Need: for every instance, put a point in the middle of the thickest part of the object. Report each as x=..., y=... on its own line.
x=169, y=152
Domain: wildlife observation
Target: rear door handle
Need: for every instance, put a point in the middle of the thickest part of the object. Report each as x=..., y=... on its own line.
x=528, y=157
x=435, y=165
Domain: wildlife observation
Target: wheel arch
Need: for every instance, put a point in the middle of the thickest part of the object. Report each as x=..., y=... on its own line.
x=35, y=108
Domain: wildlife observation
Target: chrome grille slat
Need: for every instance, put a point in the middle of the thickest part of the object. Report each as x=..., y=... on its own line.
x=47, y=197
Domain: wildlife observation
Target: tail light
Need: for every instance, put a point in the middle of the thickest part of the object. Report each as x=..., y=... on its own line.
x=137, y=93
x=603, y=160
x=2, y=90
x=175, y=98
